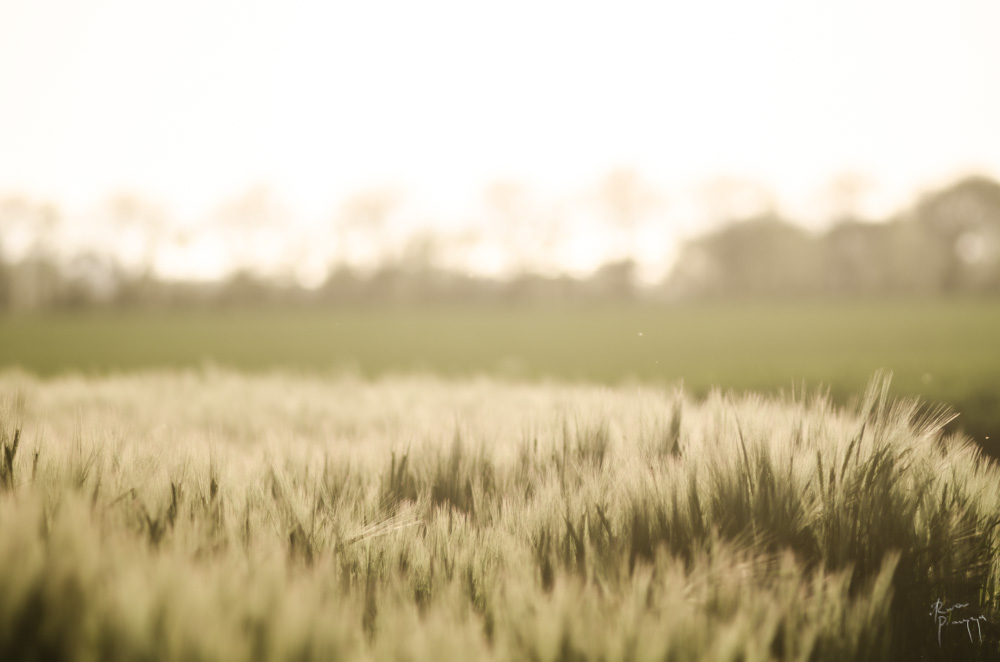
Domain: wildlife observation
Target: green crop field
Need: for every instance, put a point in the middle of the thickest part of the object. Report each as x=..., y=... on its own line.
x=943, y=351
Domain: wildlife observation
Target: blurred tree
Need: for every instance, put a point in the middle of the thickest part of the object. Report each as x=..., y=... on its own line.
x=243, y=288
x=615, y=280
x=965, y=218
x=421, y=253
x=413, y=274
x=90, y=278
x=342, y=284
x=764, y=256
x=32, y=278
x=917, y=261
x=854, y=257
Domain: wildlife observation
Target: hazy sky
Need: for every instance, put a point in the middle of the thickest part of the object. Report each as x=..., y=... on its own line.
x=194, y=101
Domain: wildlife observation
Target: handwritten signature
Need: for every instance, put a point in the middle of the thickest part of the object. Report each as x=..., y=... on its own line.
x=942, y=615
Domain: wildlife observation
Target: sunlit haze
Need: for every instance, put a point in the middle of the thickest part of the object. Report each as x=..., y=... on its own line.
x=193, y=103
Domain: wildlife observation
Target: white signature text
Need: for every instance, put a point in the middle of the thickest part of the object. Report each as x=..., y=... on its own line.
x=943, y=615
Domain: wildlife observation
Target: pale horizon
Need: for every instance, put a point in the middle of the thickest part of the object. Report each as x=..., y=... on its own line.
x=192, y=104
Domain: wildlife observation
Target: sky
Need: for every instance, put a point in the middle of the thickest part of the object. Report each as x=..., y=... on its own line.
x=193, y=102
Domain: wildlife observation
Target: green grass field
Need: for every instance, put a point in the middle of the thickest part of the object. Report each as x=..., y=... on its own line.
x=205, y=514
x=943, y=351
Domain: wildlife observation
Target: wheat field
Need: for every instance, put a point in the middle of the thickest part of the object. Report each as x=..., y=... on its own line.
x=211, y=515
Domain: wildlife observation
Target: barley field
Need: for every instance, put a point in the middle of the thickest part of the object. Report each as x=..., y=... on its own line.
x=209, y=514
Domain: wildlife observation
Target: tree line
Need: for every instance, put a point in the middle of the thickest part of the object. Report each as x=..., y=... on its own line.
x=946, y=242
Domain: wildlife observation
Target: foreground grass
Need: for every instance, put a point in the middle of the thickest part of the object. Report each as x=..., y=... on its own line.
x=209, y=515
